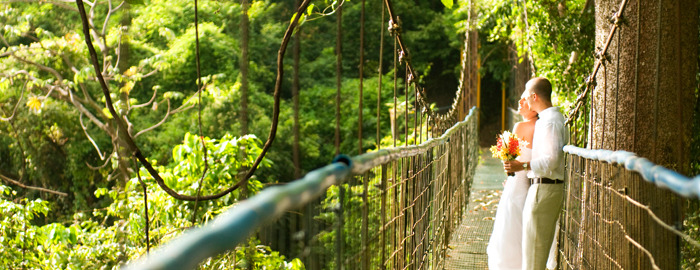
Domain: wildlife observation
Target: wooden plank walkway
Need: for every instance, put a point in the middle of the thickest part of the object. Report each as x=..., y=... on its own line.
x=468, y=243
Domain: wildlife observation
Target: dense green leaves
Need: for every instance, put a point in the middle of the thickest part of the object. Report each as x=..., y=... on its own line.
x=448, y=3
x=557, y=36
x=120, y=235
x=147, y=52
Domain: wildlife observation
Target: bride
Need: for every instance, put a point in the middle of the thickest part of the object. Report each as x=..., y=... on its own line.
x=505, y=246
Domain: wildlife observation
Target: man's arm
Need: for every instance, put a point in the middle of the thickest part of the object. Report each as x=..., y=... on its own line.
x=550, y=150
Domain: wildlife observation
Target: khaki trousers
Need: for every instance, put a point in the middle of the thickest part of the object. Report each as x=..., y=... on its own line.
x=540, y=214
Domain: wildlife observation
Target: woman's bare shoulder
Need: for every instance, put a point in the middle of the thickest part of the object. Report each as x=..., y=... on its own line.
x=523, y=126
x=524, y=129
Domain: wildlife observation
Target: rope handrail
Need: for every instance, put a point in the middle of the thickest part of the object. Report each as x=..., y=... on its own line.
x=232, y=227
x=364, y=162
x=651, y=172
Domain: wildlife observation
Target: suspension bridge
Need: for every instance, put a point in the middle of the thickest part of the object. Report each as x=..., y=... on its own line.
x=429, y=203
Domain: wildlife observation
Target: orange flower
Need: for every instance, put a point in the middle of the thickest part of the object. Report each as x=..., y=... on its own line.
x=507, y=146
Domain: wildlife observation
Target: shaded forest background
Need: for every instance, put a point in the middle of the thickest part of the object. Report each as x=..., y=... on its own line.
x=57, y=134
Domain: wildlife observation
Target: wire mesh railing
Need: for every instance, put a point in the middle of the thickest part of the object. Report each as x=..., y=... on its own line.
x=616, y=216
x=395, y=211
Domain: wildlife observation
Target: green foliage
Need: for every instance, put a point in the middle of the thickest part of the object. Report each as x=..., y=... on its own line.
x=226, y=158
x=352, y=201
x=448, y=3
x=13, y=220
x=135, y=2
x=121, y=234
x=217, y=55
x=252, y=256
x=691, y=225
x=26, y=245
x=558, y=37
x=101, y=223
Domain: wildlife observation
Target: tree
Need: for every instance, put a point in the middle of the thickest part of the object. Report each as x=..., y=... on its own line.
x=295, y=101
x=244, y=67
x=643, y=102
x=54, y=118
x=46, y=64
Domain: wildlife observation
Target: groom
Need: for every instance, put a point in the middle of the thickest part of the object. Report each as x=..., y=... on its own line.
x=546, y=173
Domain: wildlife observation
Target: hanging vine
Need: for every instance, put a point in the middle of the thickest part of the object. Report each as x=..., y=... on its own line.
x=134, y=149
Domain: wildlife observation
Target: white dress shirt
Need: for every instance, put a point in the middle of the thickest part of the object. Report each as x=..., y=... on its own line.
x=547, y=145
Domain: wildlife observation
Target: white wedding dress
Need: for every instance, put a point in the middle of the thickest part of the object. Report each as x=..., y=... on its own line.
x=505, y=245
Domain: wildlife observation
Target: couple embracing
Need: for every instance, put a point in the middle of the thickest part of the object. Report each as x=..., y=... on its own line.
x=524, y=231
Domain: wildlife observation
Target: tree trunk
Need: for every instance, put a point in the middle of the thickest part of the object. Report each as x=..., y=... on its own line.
x=124, y=156
x=244, y=68
x=338, y=73
x=520, y=73
x=470, y=68
x=643, y=103
x=473, y=55
x=295, y=97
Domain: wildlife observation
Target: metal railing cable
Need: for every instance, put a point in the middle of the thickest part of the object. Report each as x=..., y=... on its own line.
x=607, y=215
x=234, y=226
x=365, y=162
x=419, y=190
x=659, y=175
x=623, y=211
x=421, y=208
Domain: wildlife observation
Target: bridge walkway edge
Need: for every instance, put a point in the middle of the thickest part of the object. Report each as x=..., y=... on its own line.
x=467, y=248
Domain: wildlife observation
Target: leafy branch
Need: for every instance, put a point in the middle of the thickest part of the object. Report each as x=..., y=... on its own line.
x=131, y=145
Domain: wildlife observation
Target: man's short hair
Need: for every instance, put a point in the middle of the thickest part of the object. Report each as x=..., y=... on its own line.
x=542, y=87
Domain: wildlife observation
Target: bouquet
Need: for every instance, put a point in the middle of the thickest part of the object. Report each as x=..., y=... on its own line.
x=507, y=147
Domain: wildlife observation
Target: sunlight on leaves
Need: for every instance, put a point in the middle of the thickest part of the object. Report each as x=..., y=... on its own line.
x=447, y=3
x=167, y=33
x=135, y=2
x=131, y=71
x=4, y=85
x=302, y=18
x=34, y=104
x=56, y=134
x=173, y=95
x=127, y=87
x=107, y=113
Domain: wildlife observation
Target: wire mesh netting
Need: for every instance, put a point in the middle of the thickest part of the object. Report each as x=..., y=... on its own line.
x=401, y=214
x=397, y=211
x=613, y=219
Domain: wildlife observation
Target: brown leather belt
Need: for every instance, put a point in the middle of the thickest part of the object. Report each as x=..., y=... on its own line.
x=542, y=180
